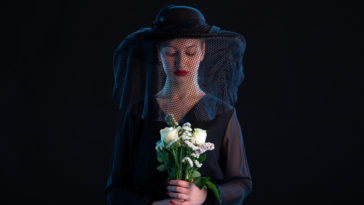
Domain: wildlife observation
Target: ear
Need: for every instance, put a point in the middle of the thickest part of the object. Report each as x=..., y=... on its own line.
x=203, y=48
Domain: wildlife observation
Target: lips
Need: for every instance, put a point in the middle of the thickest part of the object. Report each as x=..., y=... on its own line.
x=181, y=72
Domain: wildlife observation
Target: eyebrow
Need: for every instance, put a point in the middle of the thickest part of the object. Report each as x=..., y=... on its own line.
x=186, y=47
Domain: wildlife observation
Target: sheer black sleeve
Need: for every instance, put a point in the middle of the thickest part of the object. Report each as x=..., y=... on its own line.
x=118, y=188
x=237, y=179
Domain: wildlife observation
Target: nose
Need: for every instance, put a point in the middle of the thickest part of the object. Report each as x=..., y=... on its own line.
x=180, y=61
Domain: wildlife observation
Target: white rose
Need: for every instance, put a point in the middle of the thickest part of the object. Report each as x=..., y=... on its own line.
x=168, y=134
x=199, y=136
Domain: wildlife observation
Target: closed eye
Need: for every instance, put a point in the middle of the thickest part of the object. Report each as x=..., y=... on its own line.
x=171, y=53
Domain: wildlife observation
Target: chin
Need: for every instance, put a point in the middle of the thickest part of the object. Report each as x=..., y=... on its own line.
x=181, y=79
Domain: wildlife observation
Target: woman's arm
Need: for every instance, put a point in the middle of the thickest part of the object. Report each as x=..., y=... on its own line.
x=118, y=188
x=237, y=179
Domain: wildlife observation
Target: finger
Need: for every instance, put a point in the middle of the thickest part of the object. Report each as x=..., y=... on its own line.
x=178, y=189
x=173, y=200
x=177, y=199
x=179, y=195
x=181, y=183
x=178, y=202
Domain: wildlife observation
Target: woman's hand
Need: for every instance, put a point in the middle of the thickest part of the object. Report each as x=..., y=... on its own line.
x=187, y=191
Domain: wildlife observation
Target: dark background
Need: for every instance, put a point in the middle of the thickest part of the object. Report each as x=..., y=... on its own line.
x=298, y=105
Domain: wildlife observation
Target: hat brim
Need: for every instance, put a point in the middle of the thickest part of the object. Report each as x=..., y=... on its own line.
x=207, y=32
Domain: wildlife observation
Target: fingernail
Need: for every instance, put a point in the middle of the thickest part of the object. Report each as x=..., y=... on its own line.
x=170, y=201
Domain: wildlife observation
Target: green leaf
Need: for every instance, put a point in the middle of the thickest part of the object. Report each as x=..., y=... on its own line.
x=201, y=181
x=162, y=168
x=163, y=157
x=196, y=174
x=172, y=174
x=213, y=188
x=159, y=157
x=202, y=158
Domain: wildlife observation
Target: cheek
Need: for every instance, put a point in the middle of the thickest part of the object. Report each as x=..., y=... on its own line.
x=194, y=63
x=169, y=63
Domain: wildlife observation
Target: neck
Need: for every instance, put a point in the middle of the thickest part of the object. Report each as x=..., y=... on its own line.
x=177, y=91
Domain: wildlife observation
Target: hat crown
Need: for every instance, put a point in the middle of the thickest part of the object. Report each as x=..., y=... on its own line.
x=183, y=17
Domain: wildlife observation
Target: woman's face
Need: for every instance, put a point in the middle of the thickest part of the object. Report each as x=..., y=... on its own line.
x=181, y=58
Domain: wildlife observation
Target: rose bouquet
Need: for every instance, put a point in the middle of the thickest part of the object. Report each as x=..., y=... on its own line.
x=181, y=151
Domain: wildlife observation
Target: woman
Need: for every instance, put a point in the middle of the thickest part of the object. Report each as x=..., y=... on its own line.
x=186, y=67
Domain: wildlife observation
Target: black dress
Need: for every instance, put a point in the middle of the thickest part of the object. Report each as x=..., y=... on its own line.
x=133, y=177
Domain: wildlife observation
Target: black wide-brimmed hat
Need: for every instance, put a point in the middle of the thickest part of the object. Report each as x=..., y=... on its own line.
x=174, y=21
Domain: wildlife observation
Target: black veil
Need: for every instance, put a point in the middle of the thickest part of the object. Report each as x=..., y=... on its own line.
x=138, y=74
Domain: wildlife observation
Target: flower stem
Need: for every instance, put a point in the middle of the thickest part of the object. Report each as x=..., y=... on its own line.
x=176, y=163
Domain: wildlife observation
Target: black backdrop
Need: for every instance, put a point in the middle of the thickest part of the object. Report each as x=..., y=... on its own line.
x=297, y=106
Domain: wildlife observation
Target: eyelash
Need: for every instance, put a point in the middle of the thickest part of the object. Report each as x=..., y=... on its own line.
x=189, y=54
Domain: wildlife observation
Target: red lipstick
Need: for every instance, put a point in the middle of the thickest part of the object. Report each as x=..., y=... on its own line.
x=181, y=72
